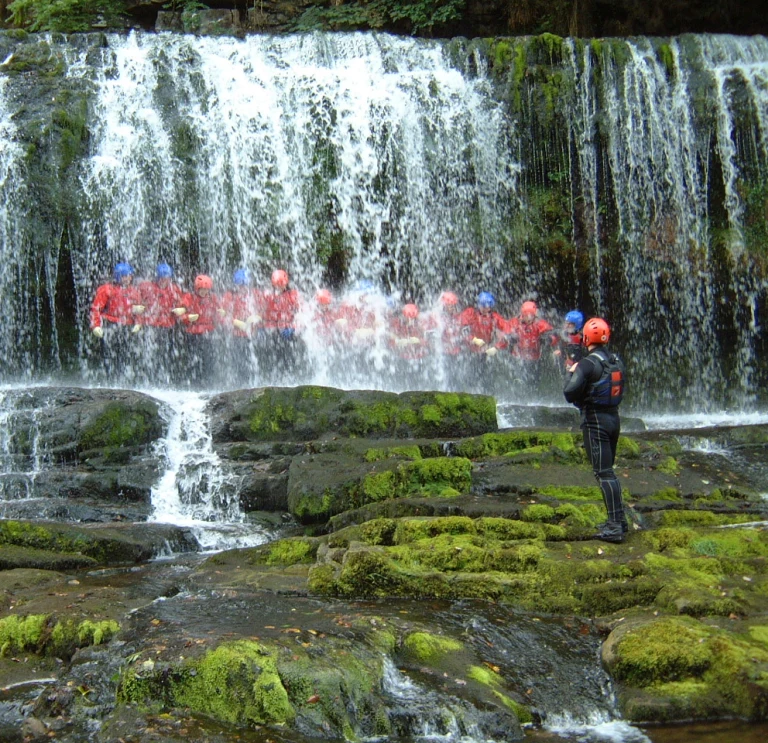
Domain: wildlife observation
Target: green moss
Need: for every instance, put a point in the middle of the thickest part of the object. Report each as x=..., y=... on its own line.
x=701, y=518
x=378, y=531
x=667, y=58
x=510, y=529
x=665, y=650
x=380, y=486
x=436, y=476
x=411, y=530
x=627, y=448
x=587, y=515
x=520, y=711
x=428, y=648
x=572, y=492
x=519, y=442
x=290, y=552
x=20, y=634
x=667, y=495
x=669, y=466
x=37, y=633
x=484, y=676
x=538, y=512
x=237, y=683
x=122, y=426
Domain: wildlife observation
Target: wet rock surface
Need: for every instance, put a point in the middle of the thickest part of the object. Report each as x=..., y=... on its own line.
x=449, y=581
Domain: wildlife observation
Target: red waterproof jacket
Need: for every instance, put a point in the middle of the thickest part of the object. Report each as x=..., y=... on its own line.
x=281, y=309
x=112, y=304
x=205, y=307
x=241, y=306
x=477, y=325
x=159, y=301
x=408, y=338
x=529, y=338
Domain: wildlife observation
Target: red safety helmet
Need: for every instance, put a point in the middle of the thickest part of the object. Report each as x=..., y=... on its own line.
x=529, y=308
x=595, y=332
x=411, y=311
x=203, y=282
x=279, y=278
x=324, y=296
x=448, y=299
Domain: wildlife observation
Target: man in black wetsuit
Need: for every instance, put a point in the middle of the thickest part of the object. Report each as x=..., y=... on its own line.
x=596, y=386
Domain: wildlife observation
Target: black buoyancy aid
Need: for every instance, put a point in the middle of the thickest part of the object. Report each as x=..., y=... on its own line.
x=608, y=390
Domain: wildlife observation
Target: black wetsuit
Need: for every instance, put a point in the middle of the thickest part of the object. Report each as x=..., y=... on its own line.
x=600, y=426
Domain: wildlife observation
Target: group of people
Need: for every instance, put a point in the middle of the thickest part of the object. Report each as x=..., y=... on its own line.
x=271, y=326
x=276, y=326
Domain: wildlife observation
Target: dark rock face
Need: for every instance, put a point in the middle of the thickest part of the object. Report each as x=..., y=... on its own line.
x=312, y=412
x=83, y=450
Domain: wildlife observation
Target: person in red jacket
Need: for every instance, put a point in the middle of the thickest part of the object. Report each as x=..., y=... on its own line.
x=528, y=334
x=242, y=309
x=482, y=326
x=283, y=349
x=449, y=340
x=199, y=317
x=409, y=347
x=159, y=297
x=114, y=321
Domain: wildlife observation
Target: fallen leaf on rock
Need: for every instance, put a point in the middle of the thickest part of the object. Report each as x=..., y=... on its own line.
x=494, y=668
x=314, y=699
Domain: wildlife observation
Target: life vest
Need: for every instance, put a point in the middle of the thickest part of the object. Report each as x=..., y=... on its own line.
x=608, y=390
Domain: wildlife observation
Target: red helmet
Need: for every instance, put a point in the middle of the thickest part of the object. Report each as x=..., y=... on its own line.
x=595, y=332
x=324, y=296
x=279, y=278
x=411, y=311
x=448, y=299
x=529, y=308
x=203, y=282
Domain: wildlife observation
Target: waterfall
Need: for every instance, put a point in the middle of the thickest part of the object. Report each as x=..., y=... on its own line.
x=21, y=457
x=624, y=177
x=195, y=490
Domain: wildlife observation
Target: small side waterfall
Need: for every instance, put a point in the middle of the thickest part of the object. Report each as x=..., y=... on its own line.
x=21, y=456
x=195, y=490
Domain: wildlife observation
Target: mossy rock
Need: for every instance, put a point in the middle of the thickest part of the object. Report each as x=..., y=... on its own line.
x=678, y=667
x=122, y=425
x=515, y=443
x=46, y=635
x=310, y=412
x=324, y=485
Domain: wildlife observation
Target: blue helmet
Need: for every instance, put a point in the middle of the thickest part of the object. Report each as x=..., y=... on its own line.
x=363, y=285
x=486, y=299
x=575, y=318
x=122, y=270
x=241, y=277
x=163, y=271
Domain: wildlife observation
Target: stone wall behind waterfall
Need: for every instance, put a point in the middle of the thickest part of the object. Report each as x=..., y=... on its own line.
x=627, y=178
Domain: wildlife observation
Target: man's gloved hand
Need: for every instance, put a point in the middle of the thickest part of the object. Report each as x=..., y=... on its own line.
x=414, y=341
x=193, y=317
x=221, y=312
x=240, y=325
x=136, y=328
x=492, y=351
x=361, y=333
x=342, y=322
x=478, y=342
x=98, y=332
x=179, y=311
x=253, y=319
x=138, y=309
x=402, y=342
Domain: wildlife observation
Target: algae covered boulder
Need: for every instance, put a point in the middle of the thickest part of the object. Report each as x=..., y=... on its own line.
x=310, y=412
x=673, y=668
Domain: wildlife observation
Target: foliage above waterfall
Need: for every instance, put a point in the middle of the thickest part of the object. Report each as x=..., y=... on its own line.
x=66, y=15
x=417, y=16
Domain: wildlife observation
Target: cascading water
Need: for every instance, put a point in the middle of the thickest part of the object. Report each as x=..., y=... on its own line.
x=625, y=177
x=195, y=490
x=19, y=465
